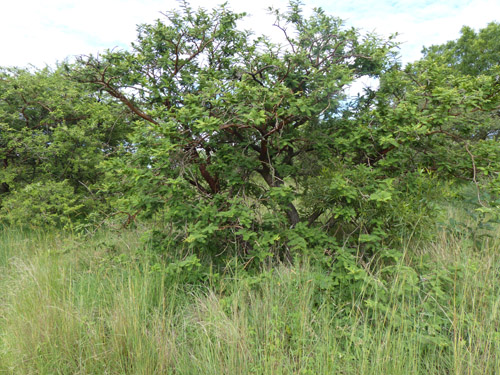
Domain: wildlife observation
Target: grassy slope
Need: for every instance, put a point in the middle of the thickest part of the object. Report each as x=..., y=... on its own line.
x=97, y=306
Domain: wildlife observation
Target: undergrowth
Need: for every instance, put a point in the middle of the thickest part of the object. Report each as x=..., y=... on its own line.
x=112, y=304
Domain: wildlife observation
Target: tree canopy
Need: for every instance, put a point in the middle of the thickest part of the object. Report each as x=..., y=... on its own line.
x=239, y=142
x=53, y=135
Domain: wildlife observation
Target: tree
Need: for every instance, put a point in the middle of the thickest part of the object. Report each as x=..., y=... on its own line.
x=242, y=140
x=53, y=135
x=475, y=57
x=474, y=53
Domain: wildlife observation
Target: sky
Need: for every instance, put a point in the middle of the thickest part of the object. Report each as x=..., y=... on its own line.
x=43, y=32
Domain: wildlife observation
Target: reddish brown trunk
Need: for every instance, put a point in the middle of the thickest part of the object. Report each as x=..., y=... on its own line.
x=211, y=181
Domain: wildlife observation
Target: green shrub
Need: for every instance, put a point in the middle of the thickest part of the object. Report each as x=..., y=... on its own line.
x=48, y=203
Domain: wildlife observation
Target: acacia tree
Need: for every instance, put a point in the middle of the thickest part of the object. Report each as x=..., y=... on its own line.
x=241, y=139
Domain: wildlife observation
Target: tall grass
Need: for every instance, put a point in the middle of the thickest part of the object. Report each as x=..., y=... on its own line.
x=96, y=306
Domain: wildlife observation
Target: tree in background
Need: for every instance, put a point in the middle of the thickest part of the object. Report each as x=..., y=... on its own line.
x=471, y=65
x=53, y=135
x=475, y=55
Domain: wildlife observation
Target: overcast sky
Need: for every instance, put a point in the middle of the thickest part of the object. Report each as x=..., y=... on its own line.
x=43, y=32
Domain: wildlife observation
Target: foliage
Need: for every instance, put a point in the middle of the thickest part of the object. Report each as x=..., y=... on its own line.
x=51, y=204
x=236, y=153
x=54, y=131
x=236, y=144
x=233, y=131
x=474, y=53
x=244, y=143
x=475, y=57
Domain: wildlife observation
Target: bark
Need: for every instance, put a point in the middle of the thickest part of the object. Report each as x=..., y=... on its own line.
x=211, y=181
x=314, y=217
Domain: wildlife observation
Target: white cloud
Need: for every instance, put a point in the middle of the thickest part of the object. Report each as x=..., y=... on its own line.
x=41, y=32
x=418, y=22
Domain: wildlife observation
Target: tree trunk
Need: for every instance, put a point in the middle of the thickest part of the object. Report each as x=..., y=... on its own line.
x=293, y=215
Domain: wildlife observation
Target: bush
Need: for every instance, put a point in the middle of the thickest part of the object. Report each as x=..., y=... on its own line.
x=46, y=203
